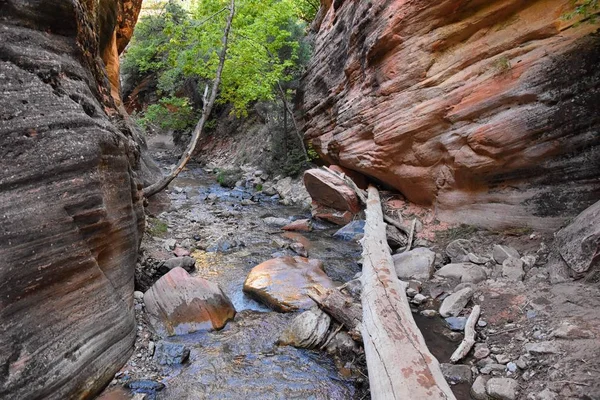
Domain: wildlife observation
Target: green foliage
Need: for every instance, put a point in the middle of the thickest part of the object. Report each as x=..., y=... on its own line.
x=502, y=64
x=156, y=227
x=266, y=49
x=171, y=113
x=259, y=187
x=462, y=231
x=585, y=9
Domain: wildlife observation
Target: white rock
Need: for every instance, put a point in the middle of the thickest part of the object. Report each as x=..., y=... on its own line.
x=466, y=272
x=453, y=304
x=512, y=269
x=502, y=388
x=478, y=389
x=501, y=253
x=414, y=264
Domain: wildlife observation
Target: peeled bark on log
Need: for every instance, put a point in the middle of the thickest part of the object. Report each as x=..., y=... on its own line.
x=399, y=362
x=341, y=307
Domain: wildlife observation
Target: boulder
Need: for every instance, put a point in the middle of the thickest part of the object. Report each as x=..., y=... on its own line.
x=502, y=388
x=458, y=250
x=276, y=222
x=355, y=230
x=579, y=242
x=466, y=272
x=187, y=263
x=501, y=253
x=332, y=215
x=331, y=191
x=308, y=330
x=414, y=264
x=178, y=304
x=302, y=225
x=283, y=283
x=512, y=269
x=454, y=304
x=478, y=391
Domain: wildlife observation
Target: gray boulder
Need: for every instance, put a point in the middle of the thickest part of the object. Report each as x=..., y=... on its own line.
x=453, y=304
x=466, y=272
x=458, y=250
x=414, y=264
x=512, y=268
x=502, y=388
x=501, y=253
x=167, y=353
x=579, y=242
x=187, y=263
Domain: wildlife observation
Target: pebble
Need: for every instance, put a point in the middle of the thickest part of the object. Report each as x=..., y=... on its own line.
x=488, y=369
x=170, y=244
x=151, y=347
x=502, y=388
x=502, y=358
x=410, y=292
x=138, y=295
x=481, y=351
x=522, y=362
x=419, y=299
x=429, y=313
x=481, y=323
x=511, y=367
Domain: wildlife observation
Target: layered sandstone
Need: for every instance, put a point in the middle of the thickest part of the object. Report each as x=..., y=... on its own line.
x=486, y=110
x=71, y=214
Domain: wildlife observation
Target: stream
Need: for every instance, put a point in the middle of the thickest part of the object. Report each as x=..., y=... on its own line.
x=242, y=360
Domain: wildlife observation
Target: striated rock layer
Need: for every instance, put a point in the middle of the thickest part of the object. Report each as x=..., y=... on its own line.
x=71, y=215
x=487, y=110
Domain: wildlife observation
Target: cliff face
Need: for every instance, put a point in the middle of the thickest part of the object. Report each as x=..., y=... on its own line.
x=71, y=214
x=487, y=110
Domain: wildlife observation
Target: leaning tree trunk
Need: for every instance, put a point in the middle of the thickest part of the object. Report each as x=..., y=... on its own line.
x=206, y=110
x=399, y=362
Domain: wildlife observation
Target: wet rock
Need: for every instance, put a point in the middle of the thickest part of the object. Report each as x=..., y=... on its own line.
x=178, y=304
x=276, y=222
x=579, y=242
x=453, y=304
x=145, y=386
x=342, y=345
x=308, y=330
x=502, y=388
x=331, y=191
x=355, y=230
x=283, y=283
x=512, y=269
x=299, y=249
x=568, y=330
x=321, y=212
x=456, y=323
x=458, y=250
x=466, y=272
x=429, y=313
x=187, y=263
x=481, y=351
x=414, y=264
x=456, y=373
x=478, y=389
x=501, y=253
x=167, y=353
x=302, y=225
x=540, y=348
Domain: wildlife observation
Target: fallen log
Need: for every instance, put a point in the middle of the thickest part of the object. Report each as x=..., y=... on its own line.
x=340, y=307
x=469, y=340
x=399, y=363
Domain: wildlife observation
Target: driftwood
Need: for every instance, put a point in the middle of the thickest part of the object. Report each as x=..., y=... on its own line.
x=469, y=340
x=341, y=308
x=208, y=102
x=399, y=362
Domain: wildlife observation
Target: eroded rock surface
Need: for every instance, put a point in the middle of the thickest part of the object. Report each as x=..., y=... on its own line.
x=487, y=110
x=71, y=211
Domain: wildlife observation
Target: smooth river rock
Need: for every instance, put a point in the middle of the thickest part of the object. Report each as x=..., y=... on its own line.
x=178, y=304
x=308, y=330
x=414, y=264
x=283, y=283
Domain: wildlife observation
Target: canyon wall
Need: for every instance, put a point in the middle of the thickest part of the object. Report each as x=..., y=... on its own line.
x=71, y=213
x=486, y=110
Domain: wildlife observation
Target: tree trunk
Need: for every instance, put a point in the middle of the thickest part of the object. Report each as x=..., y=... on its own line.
x=399, y=362
x=206, y=110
